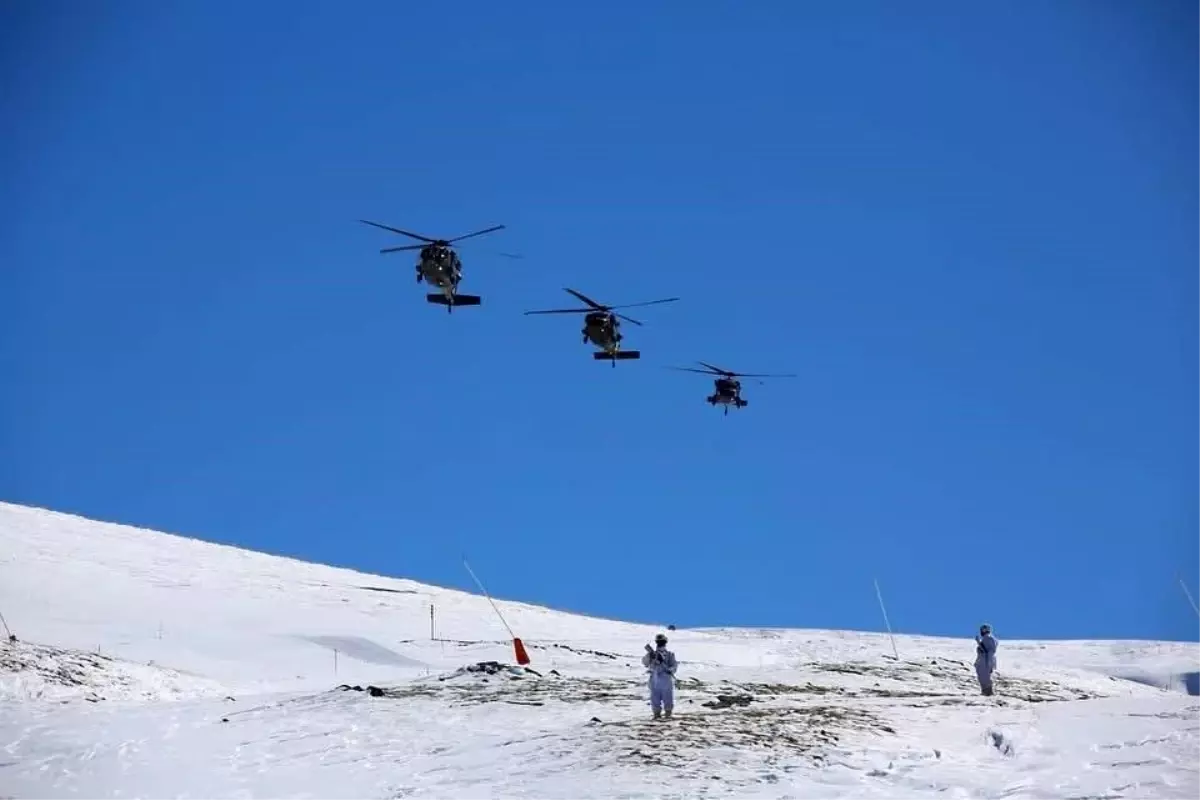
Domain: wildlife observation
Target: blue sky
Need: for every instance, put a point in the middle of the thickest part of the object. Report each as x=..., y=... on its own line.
x=971, y=232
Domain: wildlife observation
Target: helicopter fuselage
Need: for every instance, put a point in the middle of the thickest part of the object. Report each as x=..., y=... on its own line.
x=727, y=392
x=603, y=331
x=601, y=327
x=440, y=267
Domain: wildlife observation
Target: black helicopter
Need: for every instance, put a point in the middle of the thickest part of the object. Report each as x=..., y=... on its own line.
x=438, y=264
x=602, y=327
x=727, y=388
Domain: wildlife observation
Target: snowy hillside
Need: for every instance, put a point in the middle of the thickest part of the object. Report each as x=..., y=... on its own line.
x=158, y=666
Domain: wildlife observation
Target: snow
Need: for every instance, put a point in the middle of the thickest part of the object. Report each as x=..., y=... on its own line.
x=154, y=665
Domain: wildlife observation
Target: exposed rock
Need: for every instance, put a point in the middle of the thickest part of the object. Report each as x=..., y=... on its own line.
x=729, y=700
x=579, y=650
x=489, y=667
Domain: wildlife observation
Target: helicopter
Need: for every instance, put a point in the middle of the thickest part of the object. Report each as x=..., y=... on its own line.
x=727, y=388
x=438, y=264
x=602, y=326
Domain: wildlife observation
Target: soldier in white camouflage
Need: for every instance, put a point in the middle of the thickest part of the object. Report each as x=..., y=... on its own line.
x=662, y=665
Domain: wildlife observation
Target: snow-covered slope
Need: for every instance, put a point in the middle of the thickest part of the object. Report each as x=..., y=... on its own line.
x=154, y=665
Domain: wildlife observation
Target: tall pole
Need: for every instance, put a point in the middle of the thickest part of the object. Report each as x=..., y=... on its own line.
x=518, y=646
x=1183, y=586
x=489, y=597
x=879, y=594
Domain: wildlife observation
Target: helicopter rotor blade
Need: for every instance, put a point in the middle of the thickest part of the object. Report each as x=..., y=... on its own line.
x=647, y=303
x=587, y=300
x=403, y=247
x=692, y=369
x=476, y=233
x=764, y=375
x=397, y=230
x=733, y=374
x=561, y=311
x=716, y=369
x=610, y=309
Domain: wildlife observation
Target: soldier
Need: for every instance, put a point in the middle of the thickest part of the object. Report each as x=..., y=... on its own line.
x=985, y=658
x=662, y=665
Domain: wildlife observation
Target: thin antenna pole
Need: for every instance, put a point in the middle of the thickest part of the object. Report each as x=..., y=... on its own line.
x=7, y=632
x=879, y=594
x=1183, y=586
x=489, y=597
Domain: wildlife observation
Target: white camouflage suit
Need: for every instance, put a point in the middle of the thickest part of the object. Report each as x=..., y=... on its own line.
x=662, y=665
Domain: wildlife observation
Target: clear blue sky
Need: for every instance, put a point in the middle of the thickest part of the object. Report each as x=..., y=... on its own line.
x=972, y=232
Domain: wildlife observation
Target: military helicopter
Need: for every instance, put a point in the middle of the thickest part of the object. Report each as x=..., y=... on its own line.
x=727, y=388
x=438, y=264
x=602, y=328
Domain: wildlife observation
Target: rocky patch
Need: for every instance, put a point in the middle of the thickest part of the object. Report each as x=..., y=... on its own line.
x=693, y=745
x=936, y=679
x=729, y=700
x=579, y=651
x=912, y=685
x=814, y=720
x=386, y=589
